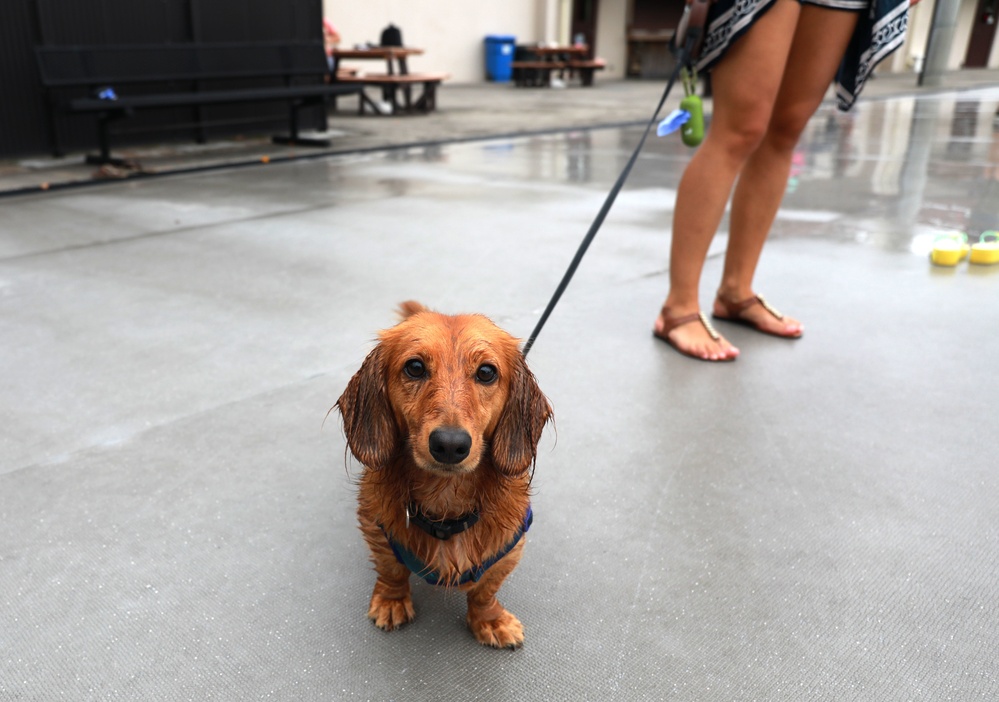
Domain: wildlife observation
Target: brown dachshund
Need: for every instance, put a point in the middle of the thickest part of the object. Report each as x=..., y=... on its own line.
x=446, y=418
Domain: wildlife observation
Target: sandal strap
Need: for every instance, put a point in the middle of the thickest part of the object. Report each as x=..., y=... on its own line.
x=735, y=309
x=670, y=323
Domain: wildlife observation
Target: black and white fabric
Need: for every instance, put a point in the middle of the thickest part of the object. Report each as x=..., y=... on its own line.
x=880, y=30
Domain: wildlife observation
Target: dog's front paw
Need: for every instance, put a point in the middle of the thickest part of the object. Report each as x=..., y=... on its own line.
x=388, y=613
x=505, y=631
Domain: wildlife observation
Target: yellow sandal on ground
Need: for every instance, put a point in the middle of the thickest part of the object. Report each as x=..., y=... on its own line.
x=950, y=249
x=986, y=252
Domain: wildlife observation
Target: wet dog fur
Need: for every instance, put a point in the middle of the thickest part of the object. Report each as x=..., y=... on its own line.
x=444, y=415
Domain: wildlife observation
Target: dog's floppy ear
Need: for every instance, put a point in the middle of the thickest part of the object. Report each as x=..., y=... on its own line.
x=515, y=442
x=367, y=418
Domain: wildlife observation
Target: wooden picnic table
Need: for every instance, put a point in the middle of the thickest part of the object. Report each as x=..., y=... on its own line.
x=537, y=70
x=556, y=53
x=396, y=84
x=394, y=57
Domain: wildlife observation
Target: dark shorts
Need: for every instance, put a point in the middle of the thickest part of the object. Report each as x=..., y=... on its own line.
x=880, y=30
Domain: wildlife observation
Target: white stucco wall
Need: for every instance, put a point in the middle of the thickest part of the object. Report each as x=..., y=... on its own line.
x=451, y=32
x=920, y=19
x=611, y=42
x=905, y=59
x=965, y=18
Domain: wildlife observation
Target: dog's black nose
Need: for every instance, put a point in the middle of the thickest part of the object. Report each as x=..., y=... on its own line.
x=450, y=445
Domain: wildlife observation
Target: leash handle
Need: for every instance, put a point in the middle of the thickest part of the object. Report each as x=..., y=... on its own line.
x=682, y=60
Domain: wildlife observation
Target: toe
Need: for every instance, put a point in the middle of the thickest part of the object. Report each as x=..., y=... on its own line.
x=792, y=327
x=697, y=343
x=783, y=327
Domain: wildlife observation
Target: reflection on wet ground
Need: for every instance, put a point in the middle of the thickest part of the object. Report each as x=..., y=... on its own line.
x=894, y=173
x=902, y=171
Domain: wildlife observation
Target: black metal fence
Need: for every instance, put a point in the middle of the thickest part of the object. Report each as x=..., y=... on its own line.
x=24, y=24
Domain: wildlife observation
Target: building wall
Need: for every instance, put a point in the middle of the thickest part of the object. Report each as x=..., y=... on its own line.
x=913, y=52
x=452, y=35
x=451, y=32
x=612, y=36
x=920, y=19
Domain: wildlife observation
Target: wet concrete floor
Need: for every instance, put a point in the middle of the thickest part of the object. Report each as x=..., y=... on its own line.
x=815, y=521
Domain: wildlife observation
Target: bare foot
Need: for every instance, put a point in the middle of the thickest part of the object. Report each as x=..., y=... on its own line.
x=756, y=313
x=692, y=335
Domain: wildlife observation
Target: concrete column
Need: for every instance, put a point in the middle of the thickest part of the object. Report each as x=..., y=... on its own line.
x=564, y=21
x=939, y=41
x=549, y=20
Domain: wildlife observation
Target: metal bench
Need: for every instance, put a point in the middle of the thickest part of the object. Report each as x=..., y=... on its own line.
x=114, y=81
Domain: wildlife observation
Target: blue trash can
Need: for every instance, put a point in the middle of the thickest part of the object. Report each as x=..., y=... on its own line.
x=499, y=57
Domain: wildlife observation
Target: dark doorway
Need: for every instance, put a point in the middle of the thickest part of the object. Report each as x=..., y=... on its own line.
x=584, y=22
x=983, y=33
x=650, y=30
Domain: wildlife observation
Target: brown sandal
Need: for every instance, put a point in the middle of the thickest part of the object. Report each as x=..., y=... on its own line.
x=670, y=323
x=734, y=310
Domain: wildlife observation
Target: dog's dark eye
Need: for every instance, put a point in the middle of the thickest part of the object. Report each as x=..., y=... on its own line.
x=414, y=368
x=486, y=373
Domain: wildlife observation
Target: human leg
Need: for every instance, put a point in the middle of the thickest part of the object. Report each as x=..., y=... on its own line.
x=820, y=38
x=745, y=85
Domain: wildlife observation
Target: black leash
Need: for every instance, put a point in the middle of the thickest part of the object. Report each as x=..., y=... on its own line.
x=692, y=31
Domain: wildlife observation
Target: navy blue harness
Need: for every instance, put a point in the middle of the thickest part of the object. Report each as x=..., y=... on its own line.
x=473, y=574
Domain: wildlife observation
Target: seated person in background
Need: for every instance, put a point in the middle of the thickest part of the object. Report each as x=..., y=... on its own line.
x=331, y=38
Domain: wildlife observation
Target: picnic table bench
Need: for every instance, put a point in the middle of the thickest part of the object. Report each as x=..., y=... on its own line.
x=393, y=85
x=533, y=66
x=535, y=73
x=586, y=68
x=112, y=82
x=396, y=81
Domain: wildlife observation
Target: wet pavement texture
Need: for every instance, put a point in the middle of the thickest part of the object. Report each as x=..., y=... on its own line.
x=814, y=521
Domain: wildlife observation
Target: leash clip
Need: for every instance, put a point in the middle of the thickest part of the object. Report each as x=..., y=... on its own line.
x=688, y=74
